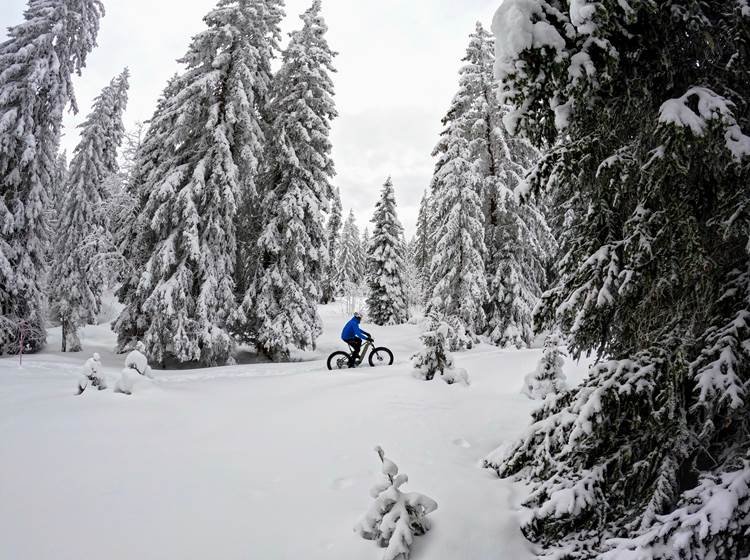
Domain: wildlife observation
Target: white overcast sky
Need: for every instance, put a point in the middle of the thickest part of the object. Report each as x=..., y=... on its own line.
x=397, y=72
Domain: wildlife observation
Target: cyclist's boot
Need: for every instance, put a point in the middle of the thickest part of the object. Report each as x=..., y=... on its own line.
x=353, y=359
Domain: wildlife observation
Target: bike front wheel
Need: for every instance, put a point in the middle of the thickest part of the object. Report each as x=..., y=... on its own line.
x=338, y=360
x=381, y=357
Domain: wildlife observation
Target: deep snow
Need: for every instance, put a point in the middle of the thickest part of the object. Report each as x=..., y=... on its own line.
x=259, y=461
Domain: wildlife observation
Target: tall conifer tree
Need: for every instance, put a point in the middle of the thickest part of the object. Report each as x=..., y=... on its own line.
x=134, y=238
x=411, y=275
x=457, y=267
x=387, y=300
x=265, y=39
x=77, y=290
x=209, y=139
x=283, y=298
x=517, y=239
x=349, y=265
x=333, y=235
x=423, y=250
x=362, y=249
x=37, y=62
x=645, y=108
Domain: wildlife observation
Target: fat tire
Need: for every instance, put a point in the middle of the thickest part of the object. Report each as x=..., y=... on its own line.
x=334, y=357
x=381, y=350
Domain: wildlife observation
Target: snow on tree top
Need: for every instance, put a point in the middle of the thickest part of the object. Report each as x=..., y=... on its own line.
x=514, y=24
x=581, y=15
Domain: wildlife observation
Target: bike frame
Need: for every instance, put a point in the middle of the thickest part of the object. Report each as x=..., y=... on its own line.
x=363, y=350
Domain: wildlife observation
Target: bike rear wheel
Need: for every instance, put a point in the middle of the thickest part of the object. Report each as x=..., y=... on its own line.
x=380, y=357
x=338, y=360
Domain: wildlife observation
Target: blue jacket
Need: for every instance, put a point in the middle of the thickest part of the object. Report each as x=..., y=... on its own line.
x=352, y=330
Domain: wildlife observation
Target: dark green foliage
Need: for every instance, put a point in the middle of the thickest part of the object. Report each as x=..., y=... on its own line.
x=647, y=157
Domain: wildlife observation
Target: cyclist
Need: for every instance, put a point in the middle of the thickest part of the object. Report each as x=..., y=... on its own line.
x=353, y=336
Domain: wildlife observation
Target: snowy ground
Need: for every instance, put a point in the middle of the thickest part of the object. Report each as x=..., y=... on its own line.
x=261, y=461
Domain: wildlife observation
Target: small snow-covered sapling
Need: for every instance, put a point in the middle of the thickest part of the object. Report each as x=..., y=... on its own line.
x=92, y=373
x=136, y=366
x=137, y=360
x=395, y=517
x=548, y=377
x=456, y=375
x=434, y=359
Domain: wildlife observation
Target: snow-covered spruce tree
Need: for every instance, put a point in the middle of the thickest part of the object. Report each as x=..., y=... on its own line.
x=283, y=298
x=131, y=145
x=457, y=267
x=411, y=276
x=265, y=39
x=386, y=264
x=548, y=378
x=423, y=249
x=363, y=247
x=522, y=247
x=650, y=456
x=121, y=211
x=518, y=241
x=333, y=236
x=77, y=280
x=37, y=62
x=395, y=517
x=468, y=116
x=433, y=222
x=133, y=239
x=520, y=244
x=349, y=267
x=118, y=210
x=364, y=244
x=209, y=134
x=434, y=358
